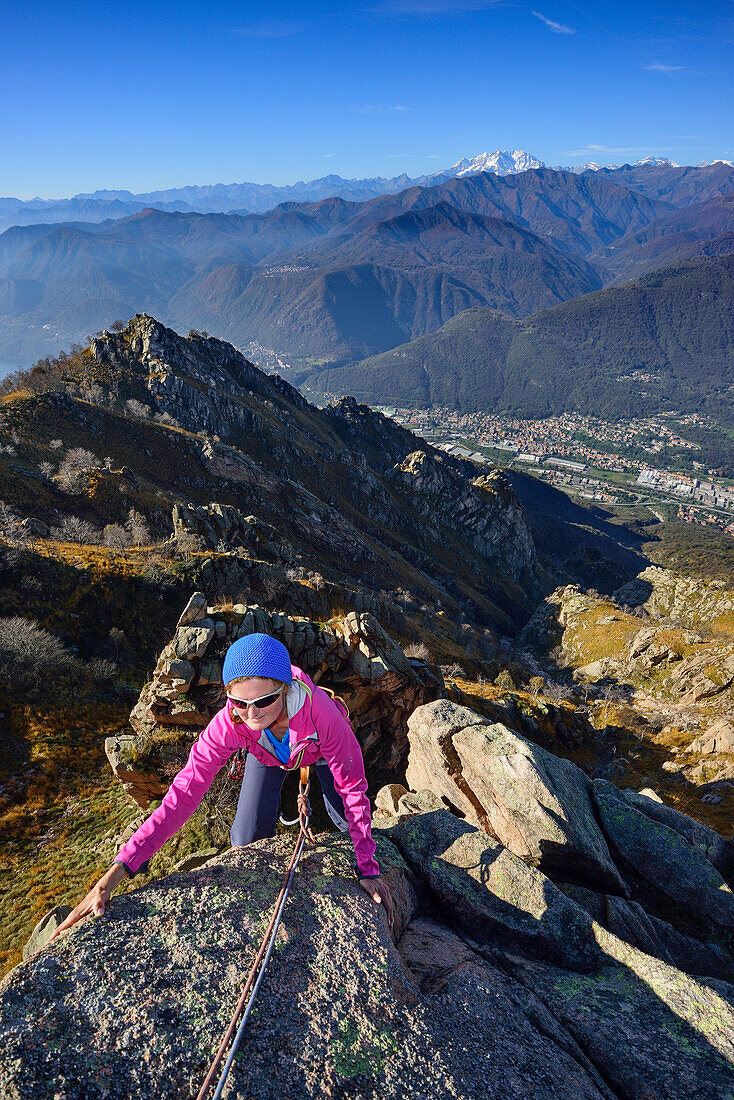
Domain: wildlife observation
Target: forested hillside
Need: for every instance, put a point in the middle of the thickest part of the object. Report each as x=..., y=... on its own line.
x=674, y=326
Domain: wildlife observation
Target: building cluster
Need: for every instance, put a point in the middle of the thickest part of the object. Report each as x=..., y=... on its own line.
x=693, y=488
x=689, y=514
x=570, y=436
x=560, y=450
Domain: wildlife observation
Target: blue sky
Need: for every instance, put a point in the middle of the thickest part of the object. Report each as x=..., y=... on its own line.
x=140, y=96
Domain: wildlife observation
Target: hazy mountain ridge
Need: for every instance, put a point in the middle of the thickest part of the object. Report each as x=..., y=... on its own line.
x=338, y=280
x=702, y=229
x=247, y=197
x=225, y=198
x=565, y=213
x=677, y=322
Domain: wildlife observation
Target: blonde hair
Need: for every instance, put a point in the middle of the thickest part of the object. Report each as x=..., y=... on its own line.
x=244, y=679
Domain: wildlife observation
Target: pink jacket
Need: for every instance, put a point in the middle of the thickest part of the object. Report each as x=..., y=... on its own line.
x=318, y=727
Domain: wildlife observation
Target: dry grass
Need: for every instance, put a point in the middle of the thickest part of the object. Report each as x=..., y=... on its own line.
x=587, y=640
x=724, y=625
x=59, y=832
x=65, y=800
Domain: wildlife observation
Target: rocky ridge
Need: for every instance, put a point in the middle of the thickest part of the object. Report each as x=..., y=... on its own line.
x=660, y=654
x=330, y=483
x=504, y=976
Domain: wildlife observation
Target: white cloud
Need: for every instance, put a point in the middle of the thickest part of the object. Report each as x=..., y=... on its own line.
x=614, y=149
x=557, y=28
x=656, y=67
x=373, y=109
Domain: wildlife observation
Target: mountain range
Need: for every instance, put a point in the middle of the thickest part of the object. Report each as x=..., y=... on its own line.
x=337, y=280
x=330, y=283
x=244, y=198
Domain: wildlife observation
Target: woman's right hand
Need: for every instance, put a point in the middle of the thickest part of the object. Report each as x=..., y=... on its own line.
x=96, y=900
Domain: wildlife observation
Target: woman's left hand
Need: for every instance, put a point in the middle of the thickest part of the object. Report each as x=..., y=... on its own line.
x=379, y=891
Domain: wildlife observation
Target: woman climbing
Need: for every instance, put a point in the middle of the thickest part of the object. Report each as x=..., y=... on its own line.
x=281, y=720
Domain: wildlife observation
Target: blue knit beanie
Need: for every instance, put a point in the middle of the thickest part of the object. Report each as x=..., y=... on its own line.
x=257, y=655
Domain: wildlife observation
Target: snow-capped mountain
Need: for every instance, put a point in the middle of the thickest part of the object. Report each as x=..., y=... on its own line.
x=655, y=162
x=594, y=166
x=503, y=162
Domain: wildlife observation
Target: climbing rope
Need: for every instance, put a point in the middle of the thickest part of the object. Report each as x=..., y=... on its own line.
x=234, y=1033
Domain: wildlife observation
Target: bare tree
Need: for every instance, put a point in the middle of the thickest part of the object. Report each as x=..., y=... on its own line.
x=74, y=471
x=30, y=656
x=187, y=545
x=10, y=523
x=137, y=528
x=74, y=529
x=418, y=650
x=136, y=408
x=116, y=537
x=94, y=394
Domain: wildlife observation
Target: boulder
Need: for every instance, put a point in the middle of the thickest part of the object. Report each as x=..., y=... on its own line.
x=388, y=798
x=142, y=784
x=714, y=847
x=677, y=873
x=651, y=1031
x=45, y=928
x=35, y=527
x=536, y=804
x=492, y=894
x=196, y=859
x=179, y=672
x=719, y=737
x=194, y=611
x=190, y=642
x=133, y=1004
x=629, y=922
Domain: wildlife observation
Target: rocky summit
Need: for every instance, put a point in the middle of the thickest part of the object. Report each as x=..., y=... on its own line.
x=550, y=766
x=552, y=937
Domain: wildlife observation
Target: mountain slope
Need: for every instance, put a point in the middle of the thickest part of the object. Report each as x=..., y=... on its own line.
x=332, y=280
x=702, y=229
x=392, y=281
x=674, y=184
x=677, y=324
x=282, y=459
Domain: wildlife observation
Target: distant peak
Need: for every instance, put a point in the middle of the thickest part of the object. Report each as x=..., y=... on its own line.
x=594, y=166
x=655, y=162
x=501, y=161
